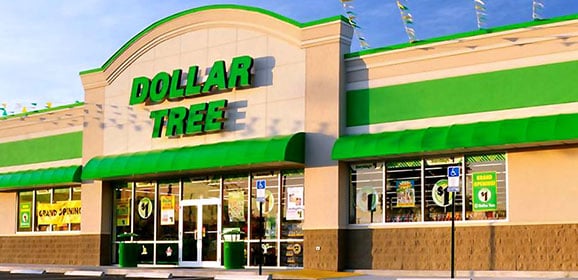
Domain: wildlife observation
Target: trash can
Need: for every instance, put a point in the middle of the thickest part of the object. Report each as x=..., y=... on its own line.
x=127, y=254
x=127, y=250
x=233, y=249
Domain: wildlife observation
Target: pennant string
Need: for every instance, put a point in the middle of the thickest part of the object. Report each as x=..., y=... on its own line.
x=7, y=109
x=351, y=18
x=537, y=7
x=407, y=19
x=480, y=7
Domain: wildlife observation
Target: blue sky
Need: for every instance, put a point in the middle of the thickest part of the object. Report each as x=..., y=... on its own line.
x=46, y=43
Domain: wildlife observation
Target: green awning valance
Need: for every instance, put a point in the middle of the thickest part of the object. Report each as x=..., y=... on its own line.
x=41, y=177
x=554, y=129
x=274, y=152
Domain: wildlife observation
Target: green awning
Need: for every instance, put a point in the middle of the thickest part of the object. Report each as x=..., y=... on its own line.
x=41, y=177
x=271, y=152
x=543, y=130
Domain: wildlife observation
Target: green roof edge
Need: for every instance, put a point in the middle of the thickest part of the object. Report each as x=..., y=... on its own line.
x=205, y=8
x=76, y=104
x=463, y=35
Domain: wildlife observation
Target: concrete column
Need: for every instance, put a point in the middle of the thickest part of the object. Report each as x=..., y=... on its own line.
x=325, y=180
x=96, y=197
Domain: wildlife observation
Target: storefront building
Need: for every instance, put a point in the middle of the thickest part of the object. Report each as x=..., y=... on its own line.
x=182, y=126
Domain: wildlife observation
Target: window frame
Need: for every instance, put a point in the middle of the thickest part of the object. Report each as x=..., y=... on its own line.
x=502, y=186
x=34, y=216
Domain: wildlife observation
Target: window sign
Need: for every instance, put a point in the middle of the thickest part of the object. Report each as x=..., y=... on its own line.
x=167, y=209
x=294, y=204
x=122, y=213
x=236, y=206
x=59, y=213
x=405, y=193
x=440, y=194
x=145, y=208
x=484, y=185
x=25, y=214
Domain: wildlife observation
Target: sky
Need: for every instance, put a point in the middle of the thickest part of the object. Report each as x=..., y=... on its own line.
x=45, y=44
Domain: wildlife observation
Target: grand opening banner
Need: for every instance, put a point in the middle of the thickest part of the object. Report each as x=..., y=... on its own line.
x=59, y=213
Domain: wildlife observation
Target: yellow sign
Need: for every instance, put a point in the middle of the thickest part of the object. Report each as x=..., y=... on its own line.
x=167, y=209
x=59, y=213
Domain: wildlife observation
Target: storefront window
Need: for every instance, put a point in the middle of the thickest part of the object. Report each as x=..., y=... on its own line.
x=270, y=206
x=404, y=191
x=438, y=201
x=25, y=217
x=56, y=209
x=144, y=210
x=61, y=195
x=151, y=210
x=292, y=254
x=417, y=190
x=235, y=198
x=292, y=203
x=43, y=202
x=123, y=206
x=201, y=188
x=269, y=251
x=169, y=198
x=76, y=196
x=293, y=214
x=366, y=201
x=486, y=187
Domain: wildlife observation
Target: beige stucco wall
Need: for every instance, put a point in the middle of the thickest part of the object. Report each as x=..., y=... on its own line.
x=484, y=53
x=273, y=106
x=8, y=212
x=491, y=52
x=543, y=186
x=326, y=185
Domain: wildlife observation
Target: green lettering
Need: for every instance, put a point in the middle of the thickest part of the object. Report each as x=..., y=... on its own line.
x=215, y=119
x=216, y=78
x=159, y=87
x=196, y=120
x=240, y=72
x=159, y=117
x=192, y=88
x=176, y=91
x=140, y=90
x=175, y=123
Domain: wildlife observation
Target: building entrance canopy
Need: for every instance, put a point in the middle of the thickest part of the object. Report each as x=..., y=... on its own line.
x=274, y=151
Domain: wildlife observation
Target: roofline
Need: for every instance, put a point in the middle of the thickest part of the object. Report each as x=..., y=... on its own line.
x=462, y=35
x=206, y=8
x=68, y=106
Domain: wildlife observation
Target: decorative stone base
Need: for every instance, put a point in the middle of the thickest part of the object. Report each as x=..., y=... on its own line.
x=480, y=248
x=322, y=249
x=58, y=249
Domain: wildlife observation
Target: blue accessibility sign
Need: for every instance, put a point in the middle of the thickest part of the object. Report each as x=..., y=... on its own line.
x=453, y=171
x=261, y=185
x=453, y=178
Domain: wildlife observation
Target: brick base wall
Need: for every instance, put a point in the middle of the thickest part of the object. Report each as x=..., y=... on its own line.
x=329, y=256
x=512, y=248
x=63, y=249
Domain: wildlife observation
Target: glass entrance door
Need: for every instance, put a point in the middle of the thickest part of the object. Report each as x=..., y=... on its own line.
x=199, y=233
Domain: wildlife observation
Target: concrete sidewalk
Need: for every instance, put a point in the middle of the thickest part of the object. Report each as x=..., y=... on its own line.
x=301, y=274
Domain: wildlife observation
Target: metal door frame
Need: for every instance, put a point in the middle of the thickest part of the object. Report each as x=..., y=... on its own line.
x=199, y=203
